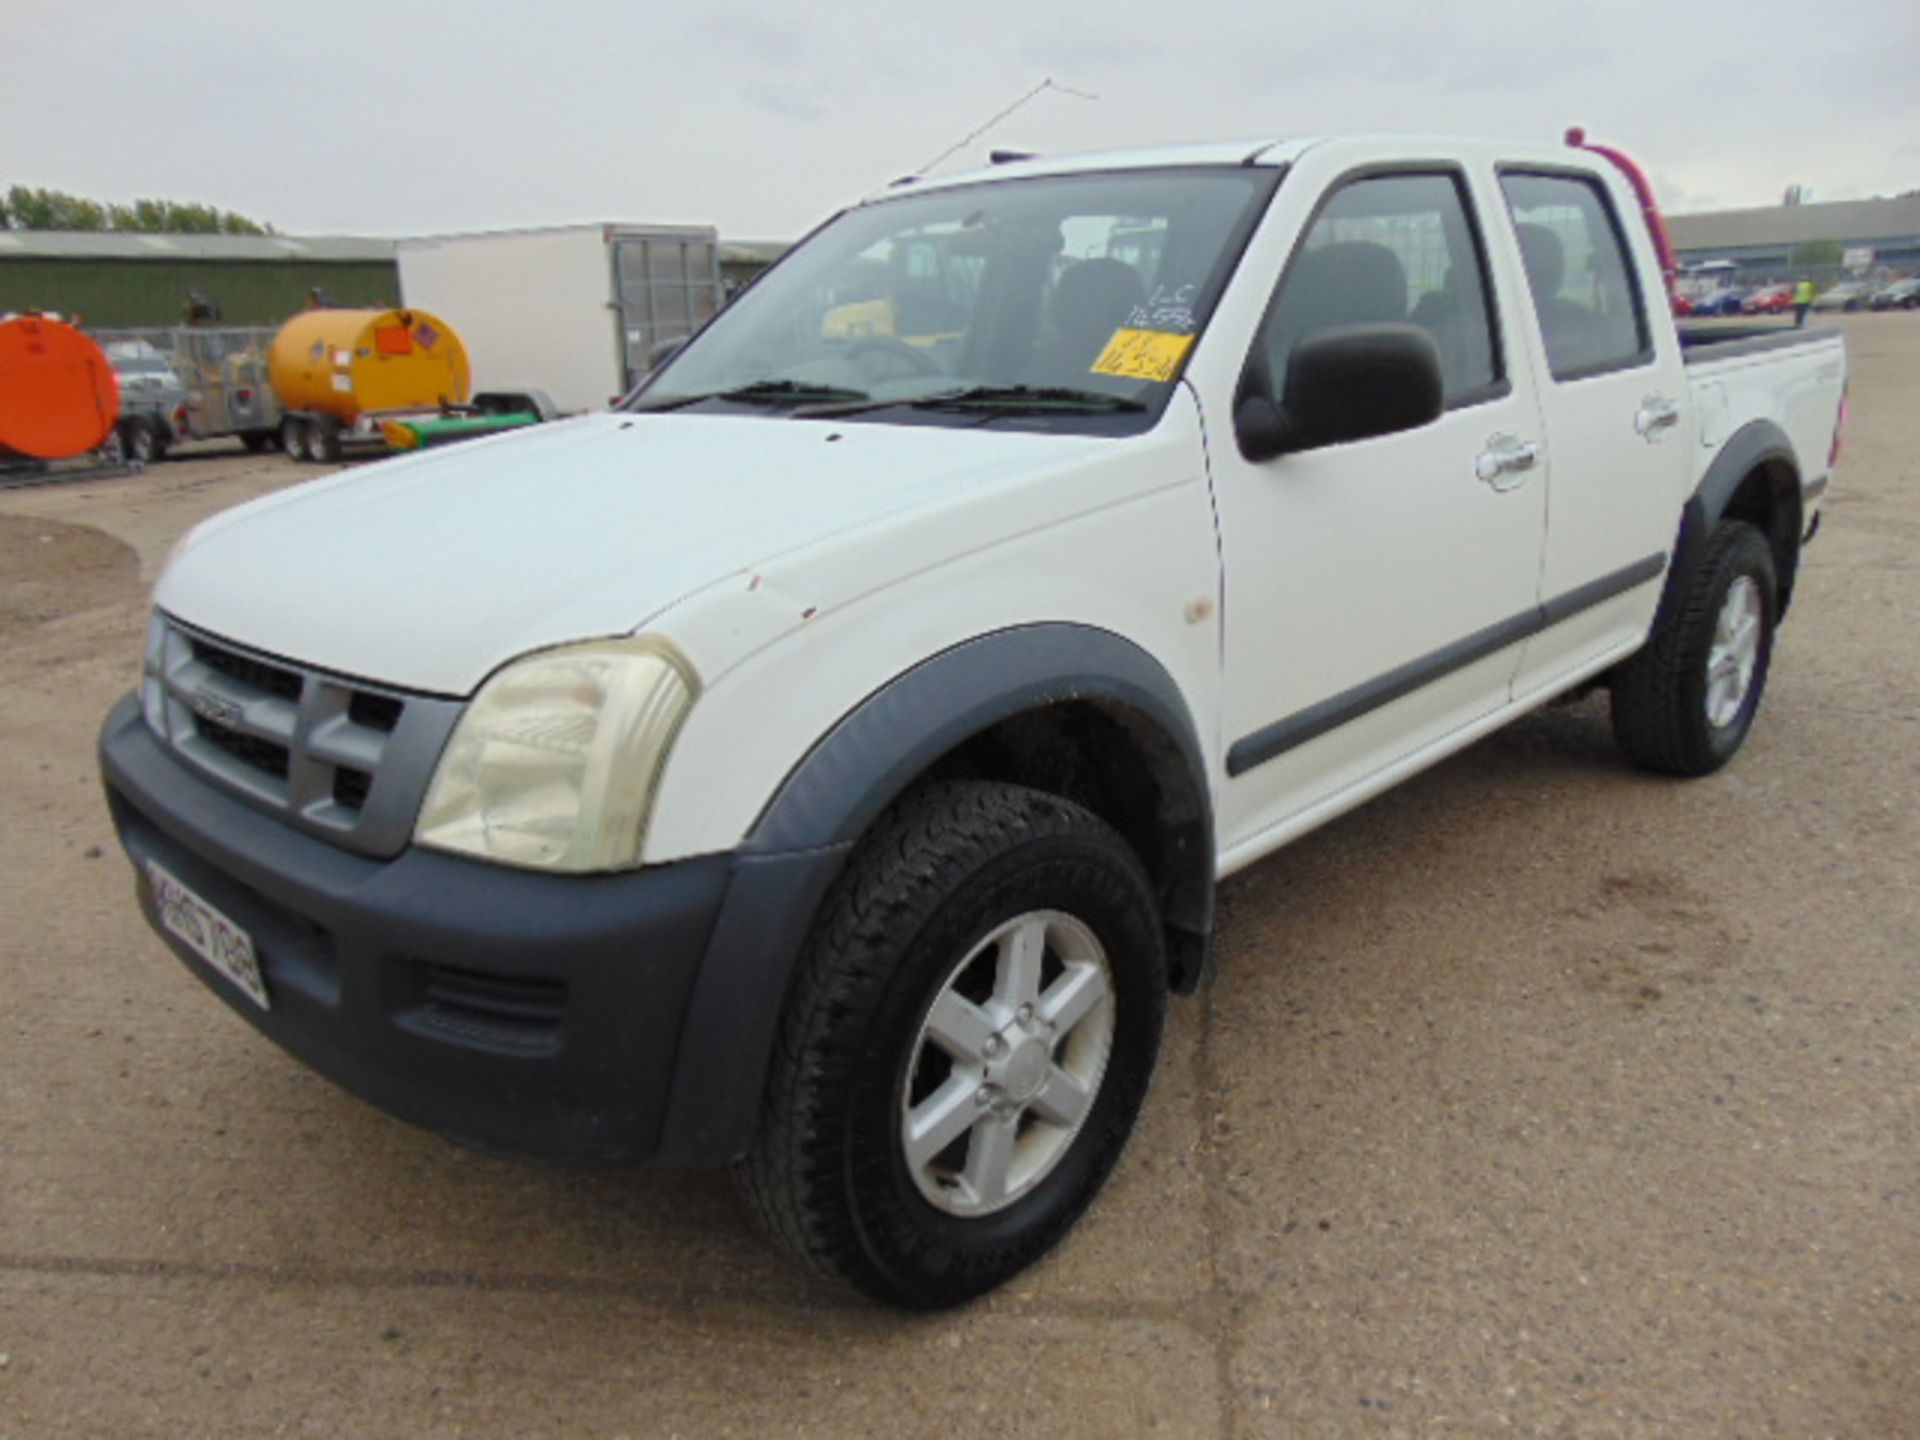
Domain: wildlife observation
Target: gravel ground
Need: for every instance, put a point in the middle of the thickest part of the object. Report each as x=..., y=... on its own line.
x=1536, y=1097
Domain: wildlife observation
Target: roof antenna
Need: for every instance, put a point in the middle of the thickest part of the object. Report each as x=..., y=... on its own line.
x=965, y=140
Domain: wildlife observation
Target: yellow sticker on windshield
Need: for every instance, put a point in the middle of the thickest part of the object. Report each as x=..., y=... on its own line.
x=1143, y=355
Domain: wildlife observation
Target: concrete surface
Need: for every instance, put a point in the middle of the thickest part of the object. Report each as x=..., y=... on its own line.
x=1538, y=1097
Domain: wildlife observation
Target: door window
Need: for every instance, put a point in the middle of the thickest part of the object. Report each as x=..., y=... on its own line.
x=1577, y=266
x=1399, y=248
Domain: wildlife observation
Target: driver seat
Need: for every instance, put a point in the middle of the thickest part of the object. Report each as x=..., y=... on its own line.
x=1090, y=300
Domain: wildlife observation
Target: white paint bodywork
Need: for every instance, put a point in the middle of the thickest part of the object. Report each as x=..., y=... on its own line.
x=802, y=564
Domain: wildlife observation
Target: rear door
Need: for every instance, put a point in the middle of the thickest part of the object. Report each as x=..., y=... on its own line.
x=1376, y=593
x=1613, y=393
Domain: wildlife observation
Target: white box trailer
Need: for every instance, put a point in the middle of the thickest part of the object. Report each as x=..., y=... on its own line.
x=572, y=310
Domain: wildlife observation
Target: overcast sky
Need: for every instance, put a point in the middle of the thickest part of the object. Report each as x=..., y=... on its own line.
x=395, y=117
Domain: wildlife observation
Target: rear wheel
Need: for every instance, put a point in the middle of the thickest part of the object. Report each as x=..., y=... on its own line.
x=965, y=1048
x=293, y=437
x=1684, y=704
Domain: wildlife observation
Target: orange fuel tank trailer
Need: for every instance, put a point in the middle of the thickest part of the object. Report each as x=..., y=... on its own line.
x=58, y=395
x=349, y=363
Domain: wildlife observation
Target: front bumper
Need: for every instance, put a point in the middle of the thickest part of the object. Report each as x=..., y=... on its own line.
x=608, y=1017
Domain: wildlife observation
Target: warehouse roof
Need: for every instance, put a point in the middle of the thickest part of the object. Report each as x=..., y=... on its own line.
x=1796, y=224
x=121, y=245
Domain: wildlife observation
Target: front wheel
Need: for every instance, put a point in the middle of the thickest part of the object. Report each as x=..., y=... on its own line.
x=965, y=1047
x=1684, y=704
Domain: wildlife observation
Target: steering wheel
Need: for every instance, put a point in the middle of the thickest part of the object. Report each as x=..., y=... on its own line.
x=889, y=351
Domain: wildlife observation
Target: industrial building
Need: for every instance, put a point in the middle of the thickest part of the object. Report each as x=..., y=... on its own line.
x=119, y=279
x=1875, y=236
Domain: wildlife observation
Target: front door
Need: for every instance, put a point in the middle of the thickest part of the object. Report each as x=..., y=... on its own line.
x=1376, y=592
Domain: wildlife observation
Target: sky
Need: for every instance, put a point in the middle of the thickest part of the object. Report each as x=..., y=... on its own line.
x=403, y=117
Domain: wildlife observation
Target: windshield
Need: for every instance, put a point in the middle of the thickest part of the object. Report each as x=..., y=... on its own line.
x=1059, y=302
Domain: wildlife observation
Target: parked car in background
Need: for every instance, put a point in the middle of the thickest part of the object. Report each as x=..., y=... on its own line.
x=1722, y=302
x=1847, y=295
x=1768, y=300
x=1900, y=295
x=153, y=402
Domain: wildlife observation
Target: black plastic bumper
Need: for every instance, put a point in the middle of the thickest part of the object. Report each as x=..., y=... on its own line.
x=610, y=1017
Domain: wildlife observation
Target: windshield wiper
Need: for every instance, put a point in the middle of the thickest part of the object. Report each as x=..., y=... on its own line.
x=767, y=392
x=995, y=399
x=1026, y=398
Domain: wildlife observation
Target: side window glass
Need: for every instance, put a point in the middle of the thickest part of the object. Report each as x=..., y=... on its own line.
x=1392, y=248
x=1578, y=269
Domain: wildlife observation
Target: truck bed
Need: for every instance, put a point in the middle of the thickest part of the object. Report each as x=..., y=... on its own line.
x=1700, y=343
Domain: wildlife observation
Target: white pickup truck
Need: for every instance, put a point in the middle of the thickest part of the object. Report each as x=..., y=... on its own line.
x=825, y=761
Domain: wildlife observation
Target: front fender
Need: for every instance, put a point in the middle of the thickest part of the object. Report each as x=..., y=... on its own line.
x=801, y=840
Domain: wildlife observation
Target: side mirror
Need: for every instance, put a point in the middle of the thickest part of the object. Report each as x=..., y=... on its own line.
x=1347, y=383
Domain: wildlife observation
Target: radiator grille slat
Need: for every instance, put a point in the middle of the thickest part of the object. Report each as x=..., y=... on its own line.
x=256, y=675
x=250, y=750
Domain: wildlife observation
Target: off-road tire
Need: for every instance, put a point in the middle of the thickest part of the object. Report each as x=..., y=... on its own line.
x=827, y=1179
x=1660, y=695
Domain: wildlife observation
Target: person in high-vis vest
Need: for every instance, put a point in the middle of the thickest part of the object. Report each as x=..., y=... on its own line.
x=1802, y=301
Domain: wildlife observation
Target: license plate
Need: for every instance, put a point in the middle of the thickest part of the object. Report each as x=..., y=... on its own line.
x=214, y=938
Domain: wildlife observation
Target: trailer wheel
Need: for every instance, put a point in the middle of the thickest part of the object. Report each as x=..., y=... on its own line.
x=323, y=440
x=293, y=437
x=259, y=441
x=138, y=444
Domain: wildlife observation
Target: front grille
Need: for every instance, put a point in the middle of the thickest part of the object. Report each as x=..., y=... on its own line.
x=338, y=757
x=246, y=671
x=376, y=712
x=350, y=787
x=265, y=756
x=521, y=1012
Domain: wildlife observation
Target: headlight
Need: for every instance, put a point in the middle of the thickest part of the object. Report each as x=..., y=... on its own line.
x=554, y=764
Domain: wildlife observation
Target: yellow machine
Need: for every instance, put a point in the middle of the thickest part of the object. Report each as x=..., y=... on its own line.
x=335, y=371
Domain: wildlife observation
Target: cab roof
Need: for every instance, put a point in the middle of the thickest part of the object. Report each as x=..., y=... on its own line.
x=1269, y=152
